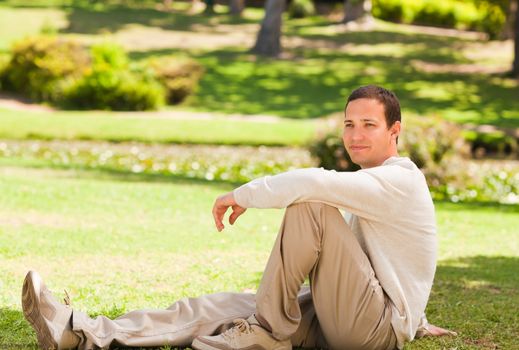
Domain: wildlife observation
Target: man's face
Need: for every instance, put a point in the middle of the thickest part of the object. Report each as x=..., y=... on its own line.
x=366, y=137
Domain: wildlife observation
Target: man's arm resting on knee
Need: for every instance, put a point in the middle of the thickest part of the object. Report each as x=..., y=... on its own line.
x=361, y=193
x=370, y=194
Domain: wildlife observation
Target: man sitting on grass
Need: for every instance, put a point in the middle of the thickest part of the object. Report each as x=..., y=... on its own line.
x=370, y=274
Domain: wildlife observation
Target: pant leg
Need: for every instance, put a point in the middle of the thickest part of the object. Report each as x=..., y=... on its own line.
x=187, y=318
x=351, y=307
x=308, y=333
x=177, y=325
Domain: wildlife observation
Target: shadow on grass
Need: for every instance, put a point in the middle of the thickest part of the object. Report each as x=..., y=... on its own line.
x=86, y=18
x=317, y=83
x=477, y=297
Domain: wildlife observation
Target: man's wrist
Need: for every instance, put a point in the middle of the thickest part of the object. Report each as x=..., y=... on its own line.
x=236, y=197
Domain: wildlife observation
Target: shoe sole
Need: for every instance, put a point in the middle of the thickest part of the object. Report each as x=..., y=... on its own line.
x=31, y=311
x=200, y=345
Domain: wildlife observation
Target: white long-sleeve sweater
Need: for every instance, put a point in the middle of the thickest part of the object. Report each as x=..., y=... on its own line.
x=392, y=217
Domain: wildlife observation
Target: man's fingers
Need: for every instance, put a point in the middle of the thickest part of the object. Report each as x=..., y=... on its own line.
x=218, y=213
x=220, y=207
x=217, y=221
x=236, y=212
x=436, y=331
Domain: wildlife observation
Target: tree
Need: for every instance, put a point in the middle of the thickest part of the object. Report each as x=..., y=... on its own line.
x=236, y=7
x=357, y=10
x=268, y=42
x=507, y=31
x=209, y=6
x=515, y=65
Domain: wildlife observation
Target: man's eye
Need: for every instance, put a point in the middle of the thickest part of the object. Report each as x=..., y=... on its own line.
x=348, y=125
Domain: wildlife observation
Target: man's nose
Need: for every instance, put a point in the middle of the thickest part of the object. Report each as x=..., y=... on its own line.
x=357, y=134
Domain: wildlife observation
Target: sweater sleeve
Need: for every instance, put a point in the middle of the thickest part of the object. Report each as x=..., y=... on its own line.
x=364, y=193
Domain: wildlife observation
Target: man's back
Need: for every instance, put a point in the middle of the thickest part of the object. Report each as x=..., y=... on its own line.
x=402, y=245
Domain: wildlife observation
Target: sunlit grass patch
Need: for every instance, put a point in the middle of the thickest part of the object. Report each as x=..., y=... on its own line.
x=151, y=127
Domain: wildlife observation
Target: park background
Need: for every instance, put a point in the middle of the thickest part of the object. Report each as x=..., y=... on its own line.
x=122, y=120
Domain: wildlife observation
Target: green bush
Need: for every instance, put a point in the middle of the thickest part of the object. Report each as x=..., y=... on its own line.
x=66, y=73
x=4, y=61
x=179, y=76
x=115, y=90
x=301, y=8
x=429, y=141
x=487, y=16
x=328, y=147
x=110, y=56
x=481, y=181
x=492, y=19
x=389, y=10
x=496, y=143
x=40, y=67
x=113, y=85
x=432, y=144
x=437, y=13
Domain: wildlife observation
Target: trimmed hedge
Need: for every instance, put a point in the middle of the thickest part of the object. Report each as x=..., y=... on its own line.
x=483, y=16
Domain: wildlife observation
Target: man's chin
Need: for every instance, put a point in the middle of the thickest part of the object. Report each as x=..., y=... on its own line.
x=356, y=160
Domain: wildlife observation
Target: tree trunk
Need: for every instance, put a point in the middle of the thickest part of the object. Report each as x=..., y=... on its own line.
x=236, y=7
x=507, y=32
x=268, y=42
x=355, y=10
x=515, y=65
x=209, y=6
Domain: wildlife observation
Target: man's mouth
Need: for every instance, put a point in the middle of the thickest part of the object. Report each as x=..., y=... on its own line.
x=358, y=148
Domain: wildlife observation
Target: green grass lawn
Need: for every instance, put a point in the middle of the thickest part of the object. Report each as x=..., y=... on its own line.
x=146, y=127
x=432, y=74
x=118, y=242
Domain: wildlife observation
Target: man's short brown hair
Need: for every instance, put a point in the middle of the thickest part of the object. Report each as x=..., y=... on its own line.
x=384, y=96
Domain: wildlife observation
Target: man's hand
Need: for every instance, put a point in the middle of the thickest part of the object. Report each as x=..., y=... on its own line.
x=435, y=331
x=221, y=205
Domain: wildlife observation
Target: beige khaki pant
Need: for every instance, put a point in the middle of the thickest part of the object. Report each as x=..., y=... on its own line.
x=344, y=307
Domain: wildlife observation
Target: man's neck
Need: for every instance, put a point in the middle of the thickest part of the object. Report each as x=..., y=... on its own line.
x=393, y=154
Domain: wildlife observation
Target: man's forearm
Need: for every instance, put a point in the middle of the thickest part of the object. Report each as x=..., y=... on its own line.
x=361, y=193
x=277, y=191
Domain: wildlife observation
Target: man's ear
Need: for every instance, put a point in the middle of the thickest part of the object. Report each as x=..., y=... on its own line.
x=395, y=129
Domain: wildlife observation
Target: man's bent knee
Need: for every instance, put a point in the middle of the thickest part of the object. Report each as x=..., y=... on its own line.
x=313, y=206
